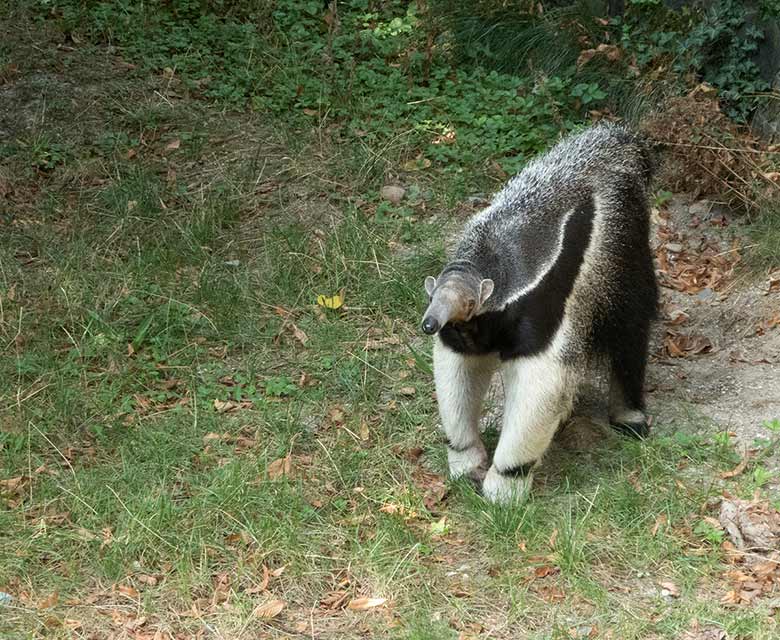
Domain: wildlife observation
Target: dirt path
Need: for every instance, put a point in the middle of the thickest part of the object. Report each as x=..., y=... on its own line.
x=716, y=350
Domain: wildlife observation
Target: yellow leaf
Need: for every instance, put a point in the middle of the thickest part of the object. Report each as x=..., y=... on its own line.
x=269, y=609
x=330, y=302
x=362, y=604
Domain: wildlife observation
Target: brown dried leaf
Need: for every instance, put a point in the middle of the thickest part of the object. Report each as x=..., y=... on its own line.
x=128, y=591
x=585, y=57
x=681, y=345
x=334, y=600
x=223, y=406
x=738, y=469
x=407, y=391
x=363, y=604
x=269, y=609
x=299, y=334
x=433, y=486
x=546, y=570
x=280, y=468
x=12, y=485
x=750, y=524
x=380, y=343
x=552, y=593
x=49, y=601
x=173, y=145
x=660, y=521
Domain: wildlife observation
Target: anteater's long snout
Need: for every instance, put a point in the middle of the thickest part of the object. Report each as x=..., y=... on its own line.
x=438, y=313
x=430, y=325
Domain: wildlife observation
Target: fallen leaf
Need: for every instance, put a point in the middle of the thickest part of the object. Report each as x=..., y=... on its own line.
x=330, y=302
x=269, y=609
x=173, y=145
x=12, y=485
x=336, y=415
x=135, y=623
x=334, y=600
x=669, y=589
x=551, y=593
x=407, y=391
x=433, y=487
x=585, y=57
x=546, y=570
x=227, y=406
x=49, y=601
x=696, y=632
x=299, y=334
x=362, y=604
x=750, y=525
x=660, y=521
x=128, y=591
x=280, y=468
x=380, y=343
x=738, y=469
x=681, y=345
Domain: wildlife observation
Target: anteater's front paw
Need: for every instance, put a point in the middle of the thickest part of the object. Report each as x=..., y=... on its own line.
x=504, y=488
x=471, y=462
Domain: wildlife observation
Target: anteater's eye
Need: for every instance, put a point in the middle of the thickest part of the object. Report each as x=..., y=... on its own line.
x=471, y=304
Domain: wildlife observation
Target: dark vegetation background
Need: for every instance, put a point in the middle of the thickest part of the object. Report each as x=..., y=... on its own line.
x=472, y=88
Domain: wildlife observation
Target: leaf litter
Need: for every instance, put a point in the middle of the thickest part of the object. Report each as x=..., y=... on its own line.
x=753, y=545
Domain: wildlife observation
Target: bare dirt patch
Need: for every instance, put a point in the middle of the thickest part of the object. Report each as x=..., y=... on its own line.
x=716, y=349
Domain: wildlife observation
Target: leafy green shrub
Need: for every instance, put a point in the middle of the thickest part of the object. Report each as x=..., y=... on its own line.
x=380, y=72
x=716, y=45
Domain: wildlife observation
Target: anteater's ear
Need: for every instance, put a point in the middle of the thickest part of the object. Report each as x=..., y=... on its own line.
x=485, y=289
x=430, y=285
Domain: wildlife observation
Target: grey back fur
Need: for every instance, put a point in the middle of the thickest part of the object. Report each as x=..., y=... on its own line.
x=518, y=237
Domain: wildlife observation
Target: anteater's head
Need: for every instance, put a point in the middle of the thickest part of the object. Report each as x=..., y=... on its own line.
x=456, y=296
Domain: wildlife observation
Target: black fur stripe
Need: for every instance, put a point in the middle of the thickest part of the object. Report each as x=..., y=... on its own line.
x=518, y=471
x=527, y=325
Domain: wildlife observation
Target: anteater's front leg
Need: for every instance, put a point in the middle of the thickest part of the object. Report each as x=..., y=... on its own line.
x=538, y=395
x=461, y=384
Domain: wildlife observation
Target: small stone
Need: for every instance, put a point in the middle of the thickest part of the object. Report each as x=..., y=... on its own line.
x=700, y=208
x=705, y=295
x=674, y=247
x=478, y=200
x=232, y=263
x=392, y=193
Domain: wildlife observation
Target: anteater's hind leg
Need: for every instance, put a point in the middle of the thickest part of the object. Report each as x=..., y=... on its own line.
x=628, y=359
x=461, y=385
x=538, y=395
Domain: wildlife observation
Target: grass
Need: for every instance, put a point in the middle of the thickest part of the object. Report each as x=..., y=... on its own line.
x=163, y=355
